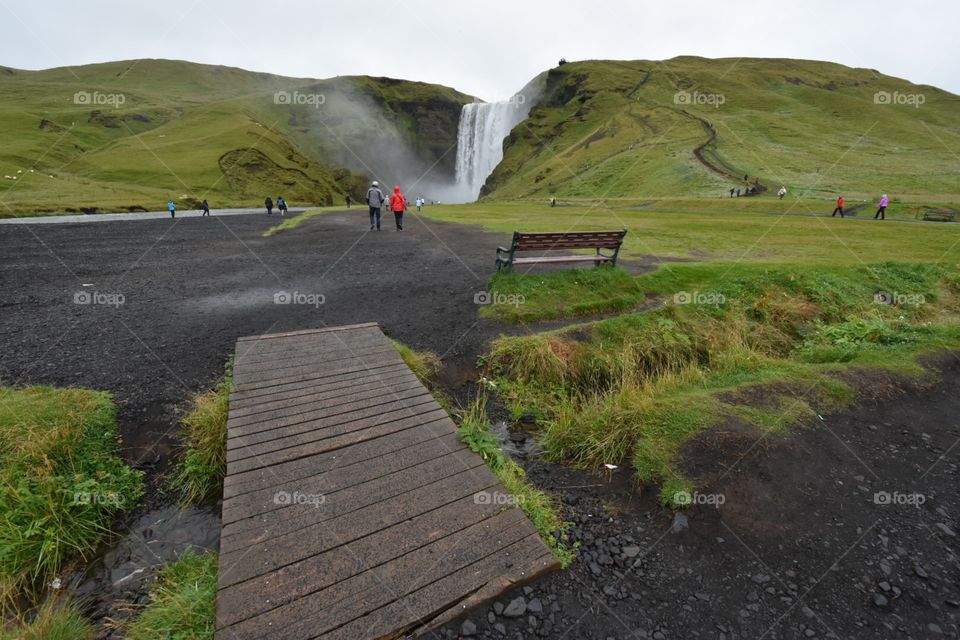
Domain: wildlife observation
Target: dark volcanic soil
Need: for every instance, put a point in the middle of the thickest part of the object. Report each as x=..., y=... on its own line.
x=192, y=287
x=844, y=529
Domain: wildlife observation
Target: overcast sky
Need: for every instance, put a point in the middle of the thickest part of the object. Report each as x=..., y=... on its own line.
x=488, y=48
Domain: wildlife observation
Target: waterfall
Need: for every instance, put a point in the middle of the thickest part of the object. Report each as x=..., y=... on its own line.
x=480, y=134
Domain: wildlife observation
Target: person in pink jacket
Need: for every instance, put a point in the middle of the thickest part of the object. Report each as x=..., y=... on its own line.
x=882, y=211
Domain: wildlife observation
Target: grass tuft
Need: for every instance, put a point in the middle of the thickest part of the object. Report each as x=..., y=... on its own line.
x=54, y=620
x=199, y=474
x=183, y=603
x=475, y=432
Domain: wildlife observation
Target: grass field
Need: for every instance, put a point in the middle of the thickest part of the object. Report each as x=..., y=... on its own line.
x=781, y=304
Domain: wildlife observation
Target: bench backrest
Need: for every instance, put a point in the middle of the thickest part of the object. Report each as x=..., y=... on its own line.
x=523, y=241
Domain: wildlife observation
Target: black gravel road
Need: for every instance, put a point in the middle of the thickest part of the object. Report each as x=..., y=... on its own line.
x=151, y=309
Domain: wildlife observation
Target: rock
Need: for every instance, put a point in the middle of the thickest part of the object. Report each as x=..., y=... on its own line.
x=884, y=586
x=491, y=617
x=498, y=608
x=499, y=628
x=761, y=578
x=631, y=552
x=535, y=606
x=808, y=612
x=680, y=523
x=809, y=632
x=880, y=600
x=945, y=530
x=516, y=608
x=935, y=629
x=886, y=568
x=920, y=571
x=468, y=628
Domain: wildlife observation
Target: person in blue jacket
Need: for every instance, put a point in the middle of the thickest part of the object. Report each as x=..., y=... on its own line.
x=172, y=208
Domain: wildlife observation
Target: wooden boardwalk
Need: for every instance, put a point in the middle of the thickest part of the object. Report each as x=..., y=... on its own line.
x=351, y=509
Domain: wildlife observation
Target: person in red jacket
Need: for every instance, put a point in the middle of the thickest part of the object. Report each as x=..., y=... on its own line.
x=398, y=204
x=839, y=207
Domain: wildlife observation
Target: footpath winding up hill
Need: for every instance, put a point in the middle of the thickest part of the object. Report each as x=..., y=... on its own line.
x=130, y=135
x=693, y=126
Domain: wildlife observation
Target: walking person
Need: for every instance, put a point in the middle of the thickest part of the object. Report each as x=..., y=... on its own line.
x=398, y=204
x=349, y=200
x=268, y=203
x=839, y=208
x=375, y=201
x=782, y=192
x=281, y=205
x=172, y=208
x=731, y=192
x=882, y=211
x=419, y=204
x=206, y=208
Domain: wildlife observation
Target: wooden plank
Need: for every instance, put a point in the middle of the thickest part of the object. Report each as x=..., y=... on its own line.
x=301, y=433
x=292, y=517
x=298, y=398
x=303, y=332
x=357, y=595
x=253, y=397
x=357, y=446
x=369, y=537
x=264, y=500
x=336, y=442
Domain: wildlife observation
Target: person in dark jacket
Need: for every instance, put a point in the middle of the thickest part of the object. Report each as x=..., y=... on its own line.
x=839, y=208
x=268, y=203
x=398, y=204
x=349, y=200
x=205, y=207
x=375, y=200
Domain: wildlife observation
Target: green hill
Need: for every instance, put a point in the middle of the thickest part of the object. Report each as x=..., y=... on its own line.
x=693, y=126
x=130, y=135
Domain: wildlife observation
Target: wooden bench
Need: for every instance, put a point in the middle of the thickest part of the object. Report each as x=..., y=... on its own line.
x=609, y=241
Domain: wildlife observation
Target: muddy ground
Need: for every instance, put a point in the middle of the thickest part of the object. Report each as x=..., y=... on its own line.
x=844, y=529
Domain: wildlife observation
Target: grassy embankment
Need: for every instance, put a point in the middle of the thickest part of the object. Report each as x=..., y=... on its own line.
x=789, y=302
x=61, y=486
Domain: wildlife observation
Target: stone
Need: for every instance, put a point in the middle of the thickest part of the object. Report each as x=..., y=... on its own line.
x=468, y=628
x=516, y=608
x=880, y=600
x=680, y=523
x=631, y=552
x=945, y=530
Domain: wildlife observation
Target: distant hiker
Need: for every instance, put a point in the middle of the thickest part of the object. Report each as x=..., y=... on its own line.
x=419, y=204
x=281, y=205
x=731, y=192
x=553, y=202
x=205, y=207
x=746, y=177
x=375, y=200
x=756, y=181
x=398, y=204
x=839, y=207
x=172, y=208
x=782, y=192
x=348, y=201
x=882, y=211
x=268, y=203
x=738, y=193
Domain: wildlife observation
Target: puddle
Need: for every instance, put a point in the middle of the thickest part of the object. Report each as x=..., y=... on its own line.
x=235, y=300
